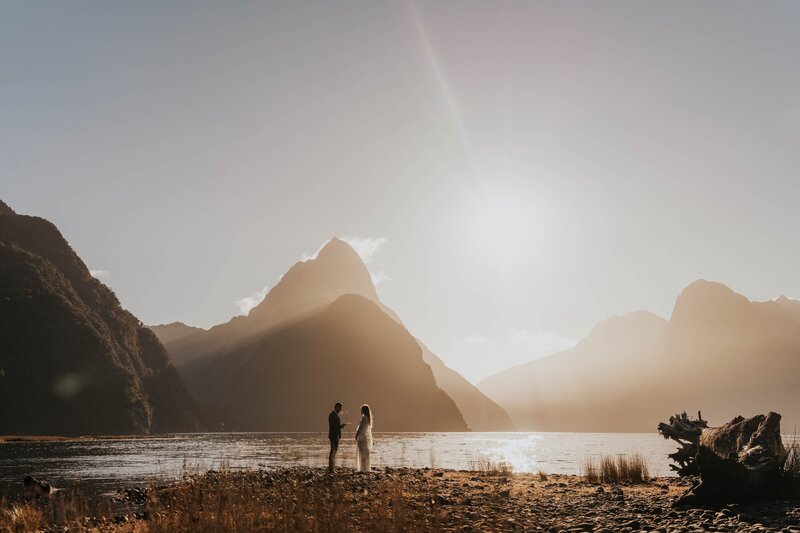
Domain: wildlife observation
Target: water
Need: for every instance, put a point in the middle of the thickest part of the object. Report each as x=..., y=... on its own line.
x=109, y=464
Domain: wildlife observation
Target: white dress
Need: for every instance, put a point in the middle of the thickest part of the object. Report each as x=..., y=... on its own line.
x=363, y=444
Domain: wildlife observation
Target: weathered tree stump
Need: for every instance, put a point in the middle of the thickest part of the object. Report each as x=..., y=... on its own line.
x=687, y=433
x=737, y=462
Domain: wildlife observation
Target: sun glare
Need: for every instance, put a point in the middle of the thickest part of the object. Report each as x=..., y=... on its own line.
x=502, y=231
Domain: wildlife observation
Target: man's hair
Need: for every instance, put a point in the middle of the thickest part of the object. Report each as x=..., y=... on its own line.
x=338, y=404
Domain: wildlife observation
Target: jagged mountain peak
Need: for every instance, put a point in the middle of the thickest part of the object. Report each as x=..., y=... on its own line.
x=337, y=252
x=174, y=331
x=336, y=270
x=336, y=245
x=703, y=288
x=703, y=299
x=177, y=323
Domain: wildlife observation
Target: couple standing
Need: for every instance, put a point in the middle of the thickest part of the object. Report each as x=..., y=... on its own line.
x=363, y=437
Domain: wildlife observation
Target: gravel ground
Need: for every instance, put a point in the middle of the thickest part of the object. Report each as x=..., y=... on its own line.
x=406, y=499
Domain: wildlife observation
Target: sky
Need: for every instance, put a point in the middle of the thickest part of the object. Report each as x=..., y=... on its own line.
x=513, y=172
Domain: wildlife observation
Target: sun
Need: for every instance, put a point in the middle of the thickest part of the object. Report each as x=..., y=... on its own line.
x=501, y=231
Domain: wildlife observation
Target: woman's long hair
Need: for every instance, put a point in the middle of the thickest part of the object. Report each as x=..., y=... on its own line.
x=366, y=411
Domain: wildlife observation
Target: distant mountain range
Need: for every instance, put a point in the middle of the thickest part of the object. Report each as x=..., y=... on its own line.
x=72, y=360
x=719, y=352
x=174, y=331
x=325, y=313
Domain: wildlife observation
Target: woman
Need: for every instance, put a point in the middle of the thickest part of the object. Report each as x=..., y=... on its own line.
x=364, y=439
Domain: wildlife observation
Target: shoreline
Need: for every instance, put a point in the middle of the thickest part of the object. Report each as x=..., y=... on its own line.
x=79, y=438
x=415, y=499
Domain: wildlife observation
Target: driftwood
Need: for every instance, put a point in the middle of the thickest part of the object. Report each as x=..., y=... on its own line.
x=737, y=462
x=687, y=433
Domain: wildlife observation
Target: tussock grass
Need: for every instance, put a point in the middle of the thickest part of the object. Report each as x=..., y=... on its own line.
x=285, y=501
x=232, y=506
x=791, y=466
x=791, y=463
x=71, y=511
x=484, y=464
x=22, y=518
x=619, y=469
x=590, y=470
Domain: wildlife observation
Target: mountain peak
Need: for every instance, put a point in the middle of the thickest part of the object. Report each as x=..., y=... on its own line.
x=5, y=209
x=704, y=304
x=174, y=331
x=336, y=270
x=708, y=287
x=703, y=295
x=336, y=247
x=176, y=324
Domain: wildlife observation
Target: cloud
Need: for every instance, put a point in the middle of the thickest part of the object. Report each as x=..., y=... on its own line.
x=540, y=343
x=366, y=247
x=379, y=277
x=249, y=302
x=102, y=275
x=309, y=256
x=476, y=339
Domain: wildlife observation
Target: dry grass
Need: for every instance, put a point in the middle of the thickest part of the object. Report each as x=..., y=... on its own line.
x=236, y=501
x=542, y=475
x=229, y=505
x=791, y=463
x=22, y=517
x=71, y=511
x=484, y=464
x=309, y=499
x=791, y=466
x=590, y=471
x=619, y=469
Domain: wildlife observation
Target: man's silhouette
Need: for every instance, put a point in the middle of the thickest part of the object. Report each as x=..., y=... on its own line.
x=334, y=434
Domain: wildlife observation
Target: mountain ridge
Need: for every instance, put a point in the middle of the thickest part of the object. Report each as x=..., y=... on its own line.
x=336, y=270
x=718, y=352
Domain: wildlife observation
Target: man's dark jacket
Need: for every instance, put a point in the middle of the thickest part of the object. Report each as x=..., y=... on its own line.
x=334, y=426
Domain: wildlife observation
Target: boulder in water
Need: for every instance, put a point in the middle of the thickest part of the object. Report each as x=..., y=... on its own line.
x=34, y=488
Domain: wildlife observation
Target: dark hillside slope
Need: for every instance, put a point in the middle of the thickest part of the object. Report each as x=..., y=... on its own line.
x=72, y=360
x=350, y=352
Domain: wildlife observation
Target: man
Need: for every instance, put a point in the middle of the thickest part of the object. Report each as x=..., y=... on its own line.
x=334, y=434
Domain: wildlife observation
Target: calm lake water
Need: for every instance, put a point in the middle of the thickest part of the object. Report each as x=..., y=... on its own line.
x=109, y=464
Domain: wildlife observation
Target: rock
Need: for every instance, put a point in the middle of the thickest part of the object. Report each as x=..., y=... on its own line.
x=438, y=499
x=34, y=488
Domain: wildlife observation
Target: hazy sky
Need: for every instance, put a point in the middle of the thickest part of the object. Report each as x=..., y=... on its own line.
x=518, y=170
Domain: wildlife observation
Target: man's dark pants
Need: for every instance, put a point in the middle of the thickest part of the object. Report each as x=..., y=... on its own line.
x=332, y=455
